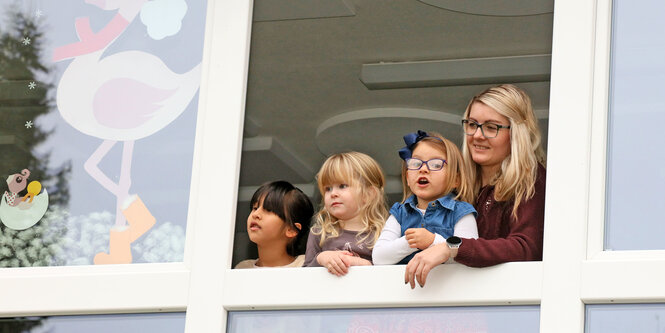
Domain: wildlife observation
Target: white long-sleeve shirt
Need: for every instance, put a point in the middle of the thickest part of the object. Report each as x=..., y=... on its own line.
x=391, y=247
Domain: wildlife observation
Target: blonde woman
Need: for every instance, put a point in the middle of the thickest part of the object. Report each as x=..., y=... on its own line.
x=352, y=213
x=505, y=181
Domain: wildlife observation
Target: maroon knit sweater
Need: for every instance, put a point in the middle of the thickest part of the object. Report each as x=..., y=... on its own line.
x=502, y=238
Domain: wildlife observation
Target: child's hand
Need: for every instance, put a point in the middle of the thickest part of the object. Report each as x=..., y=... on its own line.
x=358, y=261
x=337, y=262
x=419, y=238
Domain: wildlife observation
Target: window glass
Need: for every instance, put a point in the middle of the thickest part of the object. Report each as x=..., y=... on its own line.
x=635, y=172
x=451, y=319
x=343, y=75
x=125, y=323
x=98, y=101
x=610, y=318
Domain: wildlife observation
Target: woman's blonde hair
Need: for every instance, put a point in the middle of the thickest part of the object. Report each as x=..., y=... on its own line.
x=517, y=176
x=454, y=164
x=363, y=173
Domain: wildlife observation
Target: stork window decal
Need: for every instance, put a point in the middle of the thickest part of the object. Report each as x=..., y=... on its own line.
x=120, y=97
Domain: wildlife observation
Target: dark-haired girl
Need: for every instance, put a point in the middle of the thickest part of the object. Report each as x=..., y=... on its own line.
x=278, y=225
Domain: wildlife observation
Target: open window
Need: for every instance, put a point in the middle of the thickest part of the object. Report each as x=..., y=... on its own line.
x=333, y=76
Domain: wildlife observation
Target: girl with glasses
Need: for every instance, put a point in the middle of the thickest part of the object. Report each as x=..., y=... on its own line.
x=430, y=212
x=505, y=181
x=278, y=224
x=353, y=213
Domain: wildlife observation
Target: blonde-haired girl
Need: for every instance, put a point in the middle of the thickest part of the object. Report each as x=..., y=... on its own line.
x=352, y=214
x=505, y=166
x=429, y=213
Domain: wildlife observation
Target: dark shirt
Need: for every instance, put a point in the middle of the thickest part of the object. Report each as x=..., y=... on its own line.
x=346, y=241
x=502, y=238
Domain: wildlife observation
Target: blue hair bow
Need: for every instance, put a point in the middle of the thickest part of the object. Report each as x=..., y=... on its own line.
x=411, y=139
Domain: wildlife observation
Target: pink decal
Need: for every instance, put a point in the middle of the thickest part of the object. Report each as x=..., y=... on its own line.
x=16, y=183
x=11, y=198
x=126, y=103
x=91, y=42
x=82, y=26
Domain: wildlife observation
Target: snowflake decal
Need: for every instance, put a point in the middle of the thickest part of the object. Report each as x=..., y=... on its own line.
x=28, y=124
x=32, y=85
x=26, y=41
x=38, y=13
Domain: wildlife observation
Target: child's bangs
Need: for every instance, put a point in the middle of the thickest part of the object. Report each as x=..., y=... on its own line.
x=273, y=201
x=436, y=142
x=338, y=171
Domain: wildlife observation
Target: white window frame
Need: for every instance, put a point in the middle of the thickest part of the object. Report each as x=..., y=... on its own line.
x=575, y=271
x=612, y=276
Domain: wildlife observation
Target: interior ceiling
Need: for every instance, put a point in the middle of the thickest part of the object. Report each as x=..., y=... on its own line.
x=305, y=99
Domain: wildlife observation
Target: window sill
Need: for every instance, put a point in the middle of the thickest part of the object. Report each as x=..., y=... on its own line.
x=517, y=283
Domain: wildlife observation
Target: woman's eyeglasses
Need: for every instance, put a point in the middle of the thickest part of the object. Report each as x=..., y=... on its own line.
x=489, y=130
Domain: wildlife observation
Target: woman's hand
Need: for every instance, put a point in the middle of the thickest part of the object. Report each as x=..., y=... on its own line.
x=337, y=262
x=423, y=262
x=419, y=238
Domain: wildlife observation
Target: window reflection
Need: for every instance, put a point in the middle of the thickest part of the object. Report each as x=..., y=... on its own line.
x=610, y=318
x=634, y=169
x=444, y=319
x=125, y=323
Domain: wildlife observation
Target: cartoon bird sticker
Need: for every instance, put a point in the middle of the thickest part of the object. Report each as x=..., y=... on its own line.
x=22, y=213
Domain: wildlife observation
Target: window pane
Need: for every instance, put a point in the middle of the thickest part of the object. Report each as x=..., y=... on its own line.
x=333, y=76
x=99, y=110
x=635, y=159
x=452, y=319
x=610, y=318
x=125, y=323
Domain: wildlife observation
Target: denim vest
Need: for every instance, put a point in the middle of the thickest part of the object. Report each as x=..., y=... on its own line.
x=440, y=216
